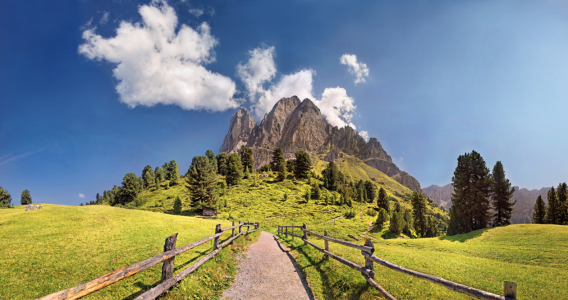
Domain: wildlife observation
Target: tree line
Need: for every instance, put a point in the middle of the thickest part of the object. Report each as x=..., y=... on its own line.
x=556, y=212
x=6, y=198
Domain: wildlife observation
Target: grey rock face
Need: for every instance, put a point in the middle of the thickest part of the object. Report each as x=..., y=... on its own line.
x=389, y=168
x=269, y=132
x=240, y=128
x=305, y=129
x=408, y=181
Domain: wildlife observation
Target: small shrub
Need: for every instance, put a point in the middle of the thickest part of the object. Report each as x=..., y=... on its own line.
x=350, y=213
x=177, y=205
x=382, y=218
x=371, y=212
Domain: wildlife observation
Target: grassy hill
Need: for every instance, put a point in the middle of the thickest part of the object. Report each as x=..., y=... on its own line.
x=58, y=247
x=534, y=256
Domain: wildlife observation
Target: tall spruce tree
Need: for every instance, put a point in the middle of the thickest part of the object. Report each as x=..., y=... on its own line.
x=148, y=176
x=5, y=198
x=331, y=176
x=371, y=191
x=472, y=189
x=131, y=187
x=561, y=195
x=395, y=224
x=222, y=163
x=202, y=183
x=279, y=164
x=212, y=159
x=26, y=198
x=501, y=193
x=177, y=205
x=166, y=168
x=303, y=165
x=382, y=218
x=382, y=200
x=291, y=166
x=539, y=211
x=234, y=169
x=159, y=173
x=419, y=213
x=247, y=158
x=173, y=170
x=552, y=210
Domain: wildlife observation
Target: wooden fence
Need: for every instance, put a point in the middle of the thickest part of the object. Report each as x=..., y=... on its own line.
x=367, y=250
x=167, y=257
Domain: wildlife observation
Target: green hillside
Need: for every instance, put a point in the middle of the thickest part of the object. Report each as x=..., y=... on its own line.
x=58, y=247
x=534, y=256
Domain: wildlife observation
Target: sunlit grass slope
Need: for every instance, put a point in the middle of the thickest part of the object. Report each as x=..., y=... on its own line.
x=58, y=247
x=534, y=256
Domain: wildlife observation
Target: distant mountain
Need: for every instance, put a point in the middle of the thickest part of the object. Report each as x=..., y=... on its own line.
x=298, y=125
x=523, y=209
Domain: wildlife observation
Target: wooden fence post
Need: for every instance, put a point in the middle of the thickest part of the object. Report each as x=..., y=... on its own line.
x=240, y=226
x=233, y=229
x=292, y=231
x=286, y=231
x=217, y=230
x=278, y=230
x=168, y=266
x=369, y=262
x=305, y=234
x=248, y=227
x=510, y=289
x=326, y=244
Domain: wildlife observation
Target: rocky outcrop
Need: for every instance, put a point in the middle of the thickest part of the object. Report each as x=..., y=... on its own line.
x=298, y=125
x=242, y=123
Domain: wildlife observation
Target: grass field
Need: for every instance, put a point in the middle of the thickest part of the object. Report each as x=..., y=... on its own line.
x=58, y=247
x=534, y=256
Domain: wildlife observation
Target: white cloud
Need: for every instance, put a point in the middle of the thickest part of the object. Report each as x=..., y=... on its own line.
x=81, y=195
x=154, y=64
x=104, y=18
x=334, y=104
x=364, y=135
x=360, y=70
x=87, y=25
x=196, y=12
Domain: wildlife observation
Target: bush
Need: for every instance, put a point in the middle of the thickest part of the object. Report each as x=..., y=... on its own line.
x=371, y=212
x=382, y=218
x=177, y=205
x=350, y=213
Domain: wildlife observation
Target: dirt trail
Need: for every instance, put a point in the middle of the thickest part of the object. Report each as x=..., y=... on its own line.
x=268, y=271
x=364, y=234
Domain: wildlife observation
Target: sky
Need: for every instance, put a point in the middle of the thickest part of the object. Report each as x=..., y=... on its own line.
x=91, y=90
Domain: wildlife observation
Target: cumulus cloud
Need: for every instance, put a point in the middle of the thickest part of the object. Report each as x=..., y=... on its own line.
x=154, y=64
x=360, y=70
x=364, y=135
x=81, y=195
x=104, y=18
x=260, y=70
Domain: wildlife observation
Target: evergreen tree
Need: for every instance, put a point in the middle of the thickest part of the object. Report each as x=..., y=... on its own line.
x=316, y=192
x=177, y=205
x=173, y=171
x=202, y=183
x=148, y=176
x=222, y=163
x=501, y=193
x=409, y=223
x=552, y=209
x=308, y=196
x=166, y=168
x=131, y=187
x=561, y=195
x=246, y=175
x=212, y=159
x=382, y=200
x=539, y=212
x=331, y=176
x=290, y=166
x=279, y=164
x=472, y=189
x=247, y=158
x=303, y=165
x=5, y=198
x=159, y=173
x=371, y=191
x=157, y=183
x=419, y=213
x=395, y=224
x=382, y=218
x=234, y=169
x=453, y=226
x=26, y=198
x=99, y=199
x=429, y=227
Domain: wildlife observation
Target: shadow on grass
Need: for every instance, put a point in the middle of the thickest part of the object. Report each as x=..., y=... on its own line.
x=464, y=237
x=143, y=288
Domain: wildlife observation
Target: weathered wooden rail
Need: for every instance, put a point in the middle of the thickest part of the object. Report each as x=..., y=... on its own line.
x=368, y=272
x=167, y=257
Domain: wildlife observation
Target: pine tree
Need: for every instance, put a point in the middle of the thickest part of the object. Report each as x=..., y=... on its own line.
x=501, y=193
x=166, y=168
x=290, y=166
x=539, y=212
x=148, y=176
x=157, y=183
x=552, y=209
x=212, y=159
x=331, y=176
x=279, y=164
x=303, y=165
x=371, y=191
x=308, y=196
x=26, y=198
x=561, y=195
x=202, y=183
x=246, y=175
x=222, y=163
x=409, y=223
x=395, y=226
x=382, y=218
x=472, y=189
x=234, y=169
x=316, y=192
x=131, y=187
x=247, y=158
x=419, y=213
x=429, y=227
x=173, y=171
x=5, y=198
x=382, y=200
x=177, y=205
x=453, y=226
x=159, y=173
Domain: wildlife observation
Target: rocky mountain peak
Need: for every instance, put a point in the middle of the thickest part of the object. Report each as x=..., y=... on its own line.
x=240, y=128
x=305, y=129
x=269, y=132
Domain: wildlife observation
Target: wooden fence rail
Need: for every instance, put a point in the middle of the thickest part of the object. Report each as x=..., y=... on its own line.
x=367, y=271
x=167, y=257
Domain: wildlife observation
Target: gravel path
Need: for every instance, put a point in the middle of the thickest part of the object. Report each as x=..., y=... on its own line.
x=268, y=272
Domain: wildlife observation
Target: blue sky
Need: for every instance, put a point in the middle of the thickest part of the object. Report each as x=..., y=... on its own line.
x=444, y=78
